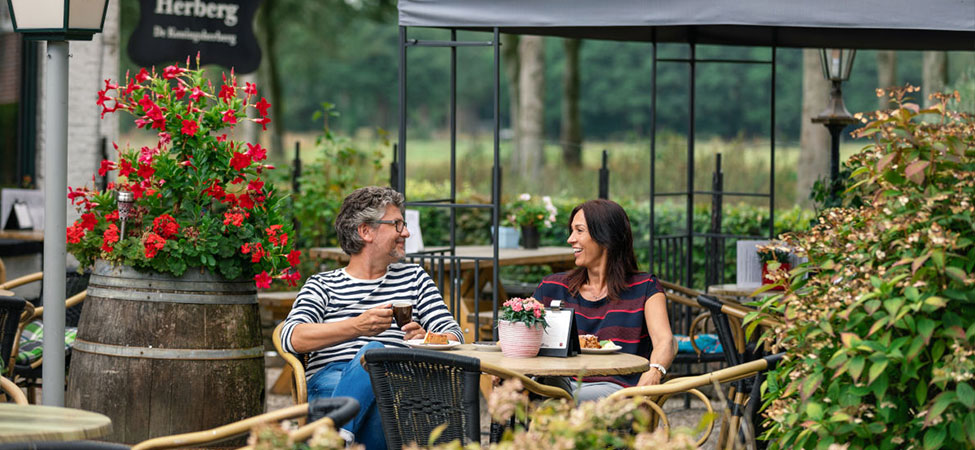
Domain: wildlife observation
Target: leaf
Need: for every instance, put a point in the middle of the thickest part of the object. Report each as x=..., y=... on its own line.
x=814, y=410
x=883, y=162
x=921, y=393
x=919, y=262
x=435, y=434
x=856, y=367
x=966, y=394
x=838, y=358
x=876, y=369
x=941, y=403
x=925, y=327
x=935, y=301
x=956, y=273
x=915, y=171
x=916, y=345
x=849, y=339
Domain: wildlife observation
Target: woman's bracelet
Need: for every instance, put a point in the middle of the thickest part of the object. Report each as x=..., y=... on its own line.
x=662, y=369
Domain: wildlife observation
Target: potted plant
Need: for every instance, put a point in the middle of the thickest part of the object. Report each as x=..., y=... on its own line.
x=520, y=327
x=775, y=260
x=528, y=213
x=179, y=241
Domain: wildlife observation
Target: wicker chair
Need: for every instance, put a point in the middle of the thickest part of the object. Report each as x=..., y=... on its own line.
x=295, y=366
x=333, y=411
x=13, y=313
x=26, y=371
x=656, y=396
x=419, y=390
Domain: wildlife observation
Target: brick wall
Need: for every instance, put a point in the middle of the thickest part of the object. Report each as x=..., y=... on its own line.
x=9, y=67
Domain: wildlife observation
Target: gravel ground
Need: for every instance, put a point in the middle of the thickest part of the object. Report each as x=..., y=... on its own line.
x=676, y=413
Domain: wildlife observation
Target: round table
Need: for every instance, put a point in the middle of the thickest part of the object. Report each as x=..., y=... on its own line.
x=22, y=423
x=582, y=364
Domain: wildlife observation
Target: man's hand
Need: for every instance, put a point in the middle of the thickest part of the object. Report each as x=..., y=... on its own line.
x=650, y=377
x=413, y=330
x=374, y=321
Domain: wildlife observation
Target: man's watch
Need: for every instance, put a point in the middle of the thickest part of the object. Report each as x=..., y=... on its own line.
x=660, y=368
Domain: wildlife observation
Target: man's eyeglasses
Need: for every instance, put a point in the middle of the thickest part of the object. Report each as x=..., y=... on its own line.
x=398, y=223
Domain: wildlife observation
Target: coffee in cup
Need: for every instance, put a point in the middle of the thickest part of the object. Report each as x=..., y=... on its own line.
x=403, y=313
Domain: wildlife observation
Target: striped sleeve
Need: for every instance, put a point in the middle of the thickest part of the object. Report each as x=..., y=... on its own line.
x=432, y=311
x=309, y=307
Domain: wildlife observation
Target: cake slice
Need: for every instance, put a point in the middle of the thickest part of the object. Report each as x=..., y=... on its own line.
x=435, y=338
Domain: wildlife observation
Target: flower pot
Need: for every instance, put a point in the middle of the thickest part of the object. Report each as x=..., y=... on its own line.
x=163, y=355
x=507, y=237
x=529, y=236
x=765, y=280
x=518, y=340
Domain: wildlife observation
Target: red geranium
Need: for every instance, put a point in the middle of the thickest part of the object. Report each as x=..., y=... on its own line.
x=110, y=237
x=153, y=243
x=165, y=226
x=263, y=280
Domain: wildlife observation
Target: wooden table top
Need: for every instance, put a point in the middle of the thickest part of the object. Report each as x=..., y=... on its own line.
x=506, y=256
x=734, y=290
x=587, y=364
x=22, y=423
x=24, y=235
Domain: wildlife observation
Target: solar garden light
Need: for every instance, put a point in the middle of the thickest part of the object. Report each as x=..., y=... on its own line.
x=836, y=64
x=124, y=201
x=56, y=21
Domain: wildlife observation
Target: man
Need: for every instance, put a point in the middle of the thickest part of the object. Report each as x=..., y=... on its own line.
x=340, y=314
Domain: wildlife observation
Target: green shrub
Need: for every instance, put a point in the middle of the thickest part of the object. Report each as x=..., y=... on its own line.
x=880, y=323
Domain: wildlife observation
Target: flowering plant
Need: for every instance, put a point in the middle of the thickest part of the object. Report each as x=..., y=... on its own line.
x=525, y=310
x=198, y=198
x=527, y=211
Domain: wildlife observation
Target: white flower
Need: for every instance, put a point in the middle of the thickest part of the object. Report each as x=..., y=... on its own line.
x=525, y=197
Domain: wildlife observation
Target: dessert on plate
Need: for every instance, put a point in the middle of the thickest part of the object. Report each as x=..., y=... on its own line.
x=435, y=338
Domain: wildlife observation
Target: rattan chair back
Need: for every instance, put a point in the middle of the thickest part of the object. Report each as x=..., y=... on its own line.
x=419, y=390
x=11, y=309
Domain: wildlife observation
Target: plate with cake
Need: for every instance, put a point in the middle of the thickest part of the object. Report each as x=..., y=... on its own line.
x=591, y=344
x=433, y=341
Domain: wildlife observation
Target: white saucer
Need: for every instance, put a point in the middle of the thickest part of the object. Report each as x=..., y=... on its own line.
x=418, y=343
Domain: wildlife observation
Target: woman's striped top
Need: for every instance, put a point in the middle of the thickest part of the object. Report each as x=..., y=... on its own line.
x=622, y=322
x=335, y=296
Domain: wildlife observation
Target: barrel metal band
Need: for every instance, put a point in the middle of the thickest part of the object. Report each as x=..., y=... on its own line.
x=208, y=298
x=167, y=353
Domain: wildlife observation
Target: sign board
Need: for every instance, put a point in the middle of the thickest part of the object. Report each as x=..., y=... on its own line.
x=21, y=201
x=221, y=31
x=561, y=338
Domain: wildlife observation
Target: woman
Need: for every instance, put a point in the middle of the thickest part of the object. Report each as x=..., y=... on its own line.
x=611, y=298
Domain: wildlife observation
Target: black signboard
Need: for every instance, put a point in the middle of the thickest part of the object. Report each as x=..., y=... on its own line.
x=220, y=30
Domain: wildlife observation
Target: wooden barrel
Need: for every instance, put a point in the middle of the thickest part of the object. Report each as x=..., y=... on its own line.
x=162, y=355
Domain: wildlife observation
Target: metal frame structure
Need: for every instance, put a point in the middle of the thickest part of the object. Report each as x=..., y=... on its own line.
x=439, y=259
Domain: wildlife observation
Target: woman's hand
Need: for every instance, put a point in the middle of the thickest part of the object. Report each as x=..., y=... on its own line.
x=650, y=377
x=413, y=330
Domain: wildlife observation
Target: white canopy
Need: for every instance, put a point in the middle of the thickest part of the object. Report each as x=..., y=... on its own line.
x=875, y=24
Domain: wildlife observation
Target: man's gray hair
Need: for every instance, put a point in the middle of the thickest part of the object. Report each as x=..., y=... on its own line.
x=364, y=205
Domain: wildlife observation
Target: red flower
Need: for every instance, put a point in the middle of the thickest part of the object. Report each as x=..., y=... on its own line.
x=105, y=166
x=263, y=121
x=102, y=98
x=145, y=171
x=189, y=127
x=137, y=190
x=88, y=221
x=240, y=161
x=153, y=243
x=179, y=91
x=125, y=168
x=112, y=216
x=262, y=107
x=75, y=233
x=74, y=195
x=215, y=191
x=256, y=250
x=263, y=280
x=294, y=258
x=250, y=88
x=195, y=94
x=255, y=185
x=142, y=76
x=245, y=201
x=234, y=218
x=222, y=138
x=229, y=117
x=171, y=72
x=256, y=152
x=110, y=237
x=227, y=94
x=165, y=226
x=291, y=277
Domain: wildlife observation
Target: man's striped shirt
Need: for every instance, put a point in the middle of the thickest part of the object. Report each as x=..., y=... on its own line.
x=335, y=296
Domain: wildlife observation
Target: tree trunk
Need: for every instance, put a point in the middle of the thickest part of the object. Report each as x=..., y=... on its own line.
x=510, y=64
x=270, y=72
x=529, y=156
x=934, y=75
x=814, y=138
x=886, y=74
x=571, y=131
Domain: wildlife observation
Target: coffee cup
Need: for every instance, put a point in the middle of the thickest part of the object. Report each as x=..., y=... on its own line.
x=403, y=313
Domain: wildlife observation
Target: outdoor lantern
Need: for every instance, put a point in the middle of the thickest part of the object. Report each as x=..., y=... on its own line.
x=58, y=20
x=837, y=63
x=124, y=201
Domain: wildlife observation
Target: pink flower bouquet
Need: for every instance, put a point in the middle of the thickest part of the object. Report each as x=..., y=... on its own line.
x=525, y=310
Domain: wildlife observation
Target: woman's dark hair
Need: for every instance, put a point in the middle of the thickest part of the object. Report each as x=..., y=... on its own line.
x=609, y=226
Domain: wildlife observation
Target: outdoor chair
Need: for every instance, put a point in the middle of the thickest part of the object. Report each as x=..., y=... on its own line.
x=419, y=390
x=28, y=348
x=697, y=345
x=334, y=412
x=14, y=312
x=295, y=366
x=741, y=423
x=12, y=392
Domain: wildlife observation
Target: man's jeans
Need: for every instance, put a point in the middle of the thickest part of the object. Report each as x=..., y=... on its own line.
x=349, y=379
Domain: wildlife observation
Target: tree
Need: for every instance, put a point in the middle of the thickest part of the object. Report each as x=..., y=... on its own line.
x=934, y=75
x=886, y=73
x=813, y=137
x=529, y=156
x=509, y=62
x=571, y=125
